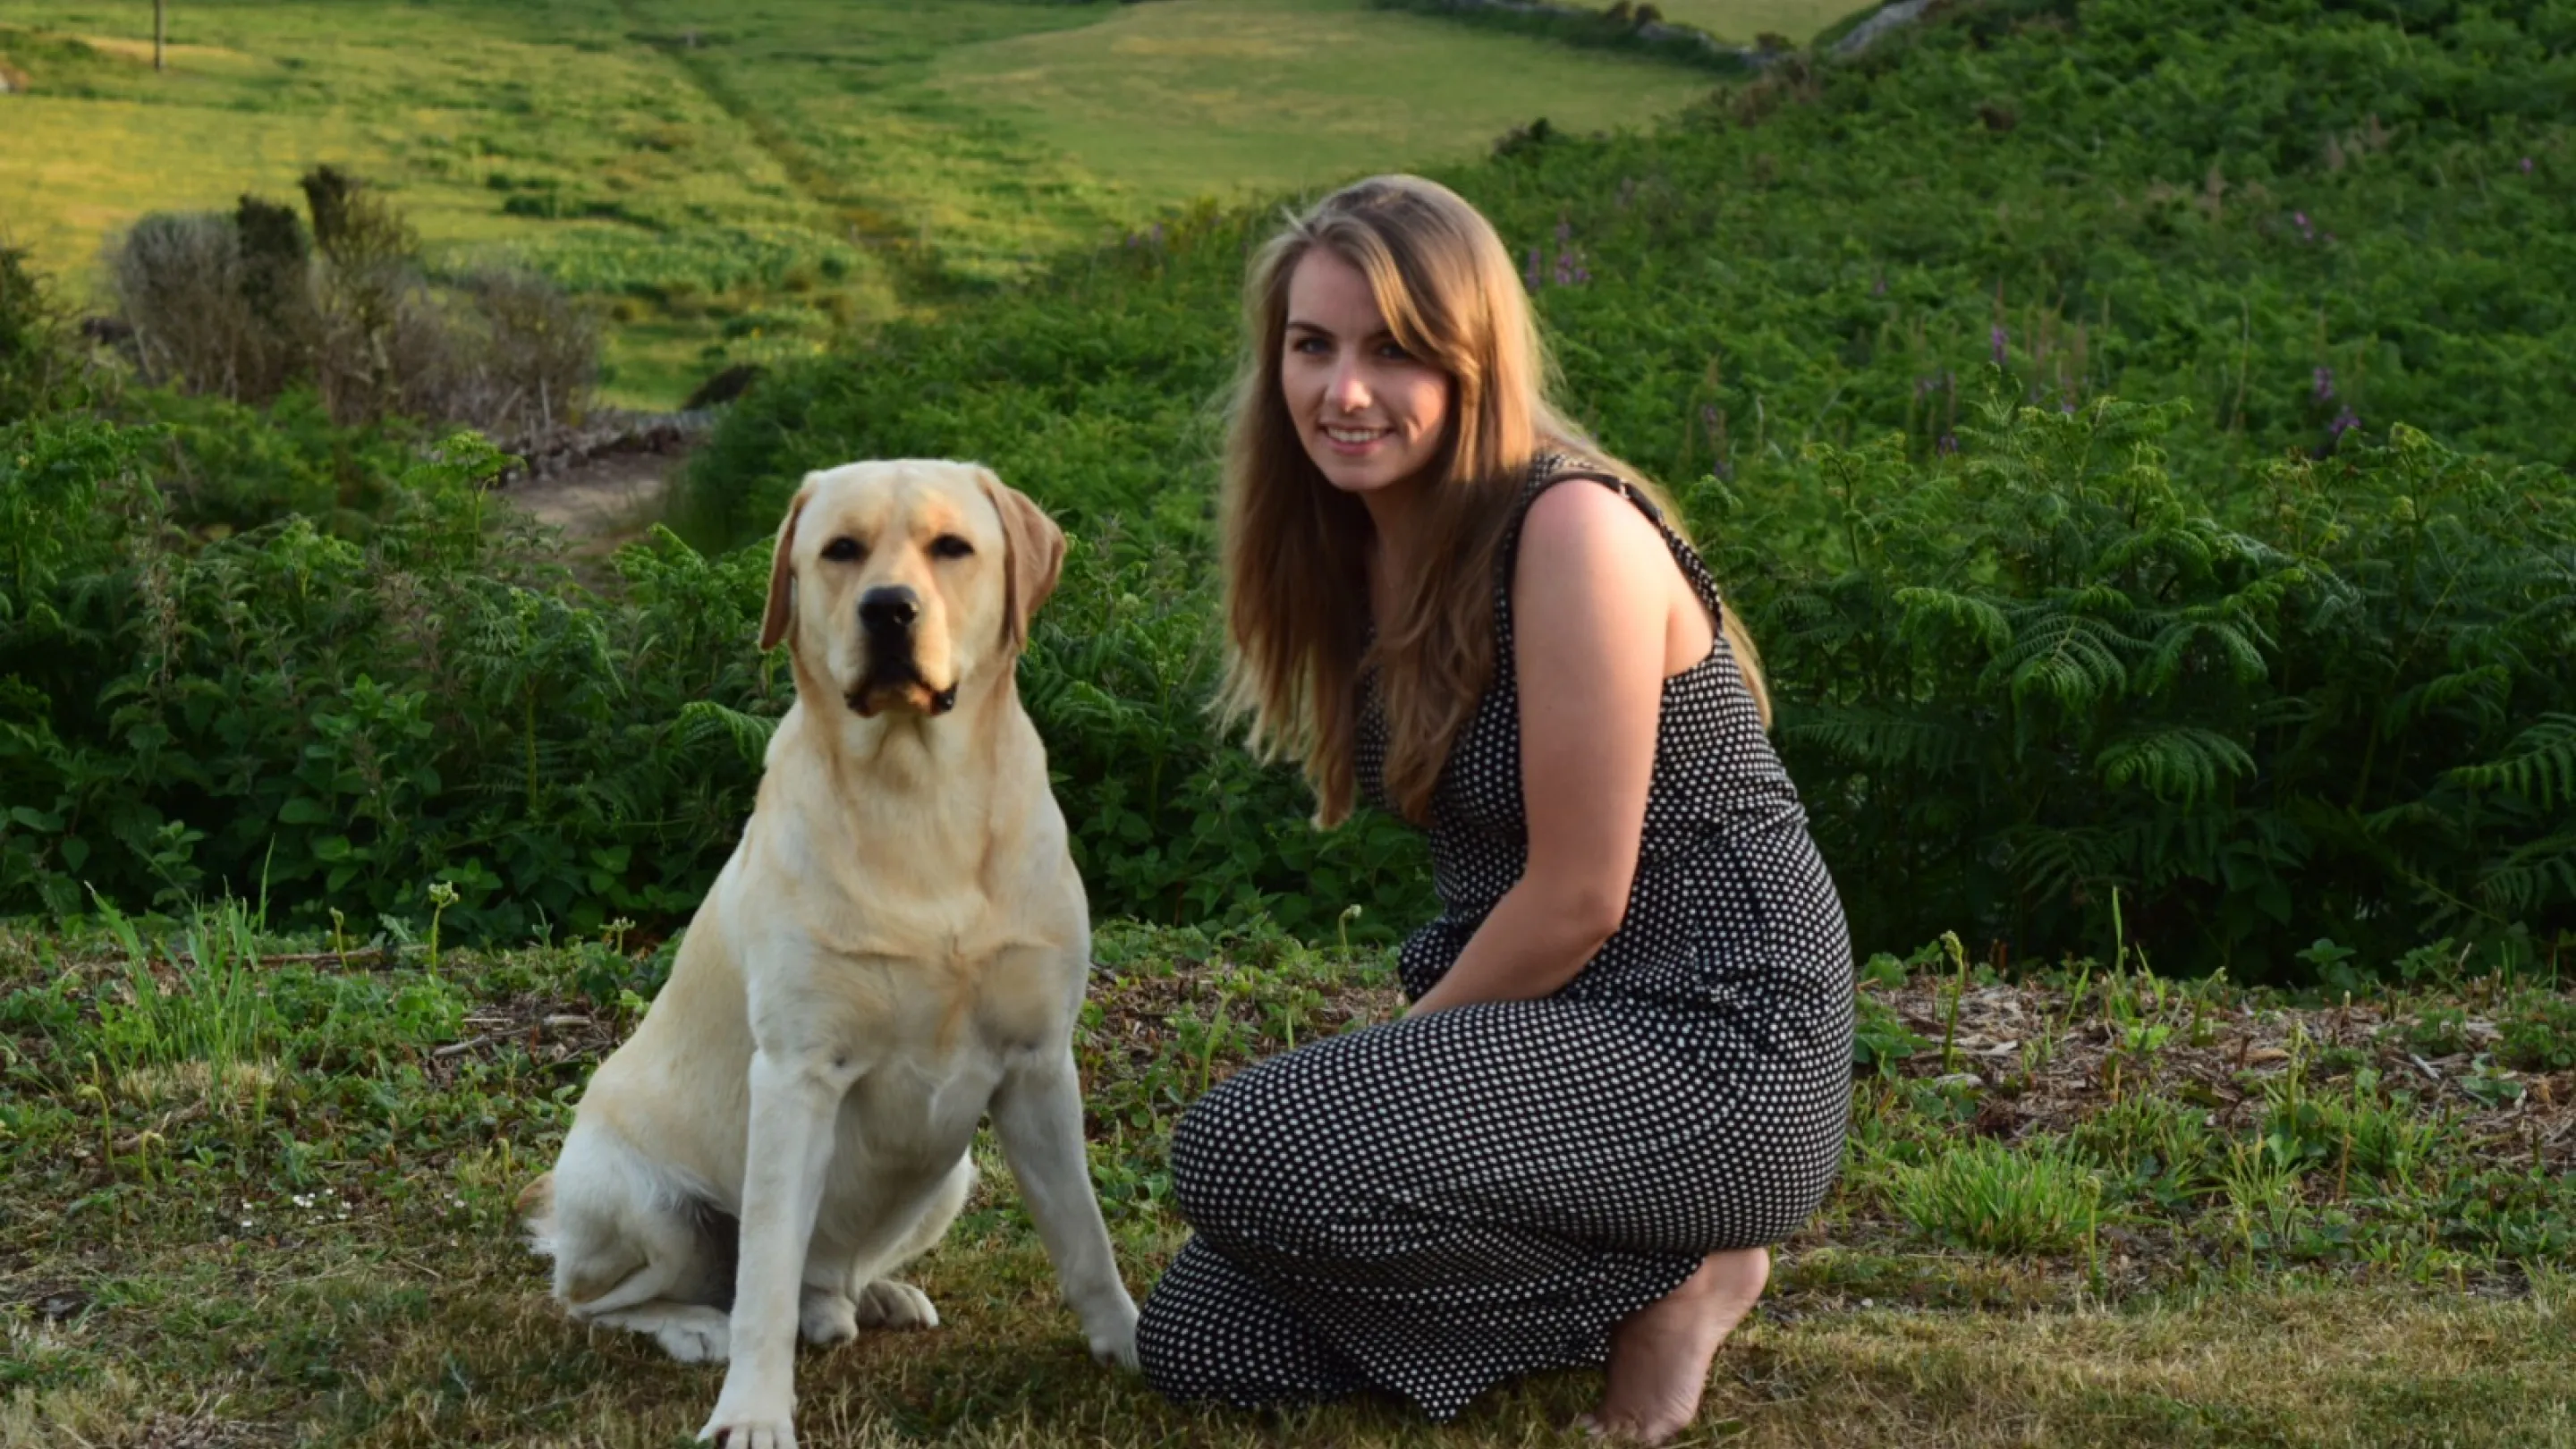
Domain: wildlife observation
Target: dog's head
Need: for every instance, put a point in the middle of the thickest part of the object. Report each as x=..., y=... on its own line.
x=897, y=582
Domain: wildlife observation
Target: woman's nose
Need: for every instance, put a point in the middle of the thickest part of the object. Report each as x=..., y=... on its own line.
x=1347, y=391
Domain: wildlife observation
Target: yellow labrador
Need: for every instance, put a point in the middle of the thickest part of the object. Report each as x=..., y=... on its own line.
x=899, y=942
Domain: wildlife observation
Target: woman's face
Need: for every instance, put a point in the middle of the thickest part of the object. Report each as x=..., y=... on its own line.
x=1371, y=414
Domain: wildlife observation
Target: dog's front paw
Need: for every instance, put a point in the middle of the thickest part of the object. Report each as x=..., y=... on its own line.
x=886, y=1303
x=1113, y=1337
x=754, y=1430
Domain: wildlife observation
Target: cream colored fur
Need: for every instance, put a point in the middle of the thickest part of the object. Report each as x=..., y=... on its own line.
x=898, y=945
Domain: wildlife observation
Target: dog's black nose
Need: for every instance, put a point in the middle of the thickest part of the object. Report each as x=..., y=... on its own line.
x=891, y=607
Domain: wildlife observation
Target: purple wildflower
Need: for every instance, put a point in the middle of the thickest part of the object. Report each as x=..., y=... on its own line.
x=1949, y=444
x=1532, y=275
x=1708, y=418
x=1564, y=231
x=1722, y=470
x=1999, y=340
x=2344, y=421
x=2325, y=384
x=2066, y=403
x=2307, y=231
x=2526, y=166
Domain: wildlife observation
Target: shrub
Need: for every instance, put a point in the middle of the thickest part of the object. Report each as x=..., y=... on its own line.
x=39, y=368
x=247, y=305
x=205, y=316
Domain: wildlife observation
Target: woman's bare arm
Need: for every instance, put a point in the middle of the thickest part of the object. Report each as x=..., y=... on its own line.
x=1592, y=591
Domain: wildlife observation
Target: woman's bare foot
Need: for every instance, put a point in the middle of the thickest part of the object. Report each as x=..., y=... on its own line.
x=1659, y=1355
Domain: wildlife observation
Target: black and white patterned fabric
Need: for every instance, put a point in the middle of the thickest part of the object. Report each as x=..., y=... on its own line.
x=1434, y=1205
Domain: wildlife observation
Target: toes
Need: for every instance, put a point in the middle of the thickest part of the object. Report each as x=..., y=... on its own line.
x=770, y=1434
x=886, y=1303
x=697, y=1340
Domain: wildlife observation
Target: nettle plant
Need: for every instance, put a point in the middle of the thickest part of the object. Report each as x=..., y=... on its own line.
x=2022, y=678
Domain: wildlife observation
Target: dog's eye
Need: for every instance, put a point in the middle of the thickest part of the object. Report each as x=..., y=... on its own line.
x=843, y=550
x=949, y=545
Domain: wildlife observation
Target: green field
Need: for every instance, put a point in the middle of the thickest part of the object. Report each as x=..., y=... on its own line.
x=745, y=183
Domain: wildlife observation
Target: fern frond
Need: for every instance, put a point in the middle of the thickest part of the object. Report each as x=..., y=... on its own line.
x=2181, y=762
x=2070, y=658
x=1879, y=740
x=2539, y=769
x=704, y=719
x=1975, y=617
x=2482, y=690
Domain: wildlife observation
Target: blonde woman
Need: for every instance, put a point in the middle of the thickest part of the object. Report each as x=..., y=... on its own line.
x=1627, y=1064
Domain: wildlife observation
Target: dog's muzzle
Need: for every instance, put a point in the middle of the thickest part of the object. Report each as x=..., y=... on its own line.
x=886, y=617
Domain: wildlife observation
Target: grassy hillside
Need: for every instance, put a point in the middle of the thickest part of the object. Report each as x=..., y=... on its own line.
x=742, y=183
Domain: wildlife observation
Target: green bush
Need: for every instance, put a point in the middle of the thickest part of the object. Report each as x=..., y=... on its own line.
x=39, y=370
x=2044, y=671
x=321, y=722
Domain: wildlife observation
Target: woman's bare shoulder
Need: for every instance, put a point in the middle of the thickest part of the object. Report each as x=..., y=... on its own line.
x=1577, y=520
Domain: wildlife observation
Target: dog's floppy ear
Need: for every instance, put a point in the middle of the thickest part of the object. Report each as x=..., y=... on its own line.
x=1036, y=548
x=780, y=615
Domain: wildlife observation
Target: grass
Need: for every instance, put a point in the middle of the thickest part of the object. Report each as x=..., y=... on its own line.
x=749, y=182
x=1742, y=20
x=1250, y=97
x=322, y=1251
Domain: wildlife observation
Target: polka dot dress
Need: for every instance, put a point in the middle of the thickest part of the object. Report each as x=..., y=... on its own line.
x=1434, y=1205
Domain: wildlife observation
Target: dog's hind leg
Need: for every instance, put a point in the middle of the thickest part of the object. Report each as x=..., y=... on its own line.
x=689, y=1332
x=634, y=1249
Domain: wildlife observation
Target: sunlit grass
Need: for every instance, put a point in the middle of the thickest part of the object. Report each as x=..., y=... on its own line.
x=665, y=157
x=1251, y=96
x=1742, y=20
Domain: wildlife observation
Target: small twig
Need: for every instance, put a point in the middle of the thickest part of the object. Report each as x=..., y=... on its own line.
x=456, y=1047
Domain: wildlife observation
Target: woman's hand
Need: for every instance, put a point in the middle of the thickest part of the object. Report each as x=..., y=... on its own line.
x=1594, y=623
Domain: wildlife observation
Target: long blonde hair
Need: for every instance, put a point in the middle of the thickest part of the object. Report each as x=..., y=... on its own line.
x=1295, y=547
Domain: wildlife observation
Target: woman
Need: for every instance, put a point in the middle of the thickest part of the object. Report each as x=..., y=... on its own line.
x=1627, y=1065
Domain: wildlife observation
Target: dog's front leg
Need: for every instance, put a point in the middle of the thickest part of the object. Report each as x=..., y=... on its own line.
x=794, y=1099
x=1037, y=1112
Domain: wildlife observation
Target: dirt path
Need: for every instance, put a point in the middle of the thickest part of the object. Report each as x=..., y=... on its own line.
x=601, y=505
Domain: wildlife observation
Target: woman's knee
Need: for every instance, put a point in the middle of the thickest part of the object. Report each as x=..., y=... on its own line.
x=1235, y=1152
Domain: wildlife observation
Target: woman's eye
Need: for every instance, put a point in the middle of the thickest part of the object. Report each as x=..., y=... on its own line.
x=949, y=545
x=843, y=550
x=1394, y=352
